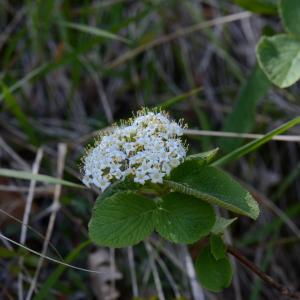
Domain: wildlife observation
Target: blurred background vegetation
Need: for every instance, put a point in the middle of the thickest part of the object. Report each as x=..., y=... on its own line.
x=69, y=68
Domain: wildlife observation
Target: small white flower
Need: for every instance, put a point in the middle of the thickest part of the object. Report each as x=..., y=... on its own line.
x=156, y=176
x=147, y=148
x=140, y=177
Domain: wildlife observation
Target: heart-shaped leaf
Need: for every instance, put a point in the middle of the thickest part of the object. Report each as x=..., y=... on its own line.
x=279, y=58
x=214, y=186
x=213, y=274
x=184, y=219
x=123, y=219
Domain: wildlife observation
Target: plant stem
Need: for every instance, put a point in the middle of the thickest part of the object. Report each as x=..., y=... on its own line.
x=266, y=278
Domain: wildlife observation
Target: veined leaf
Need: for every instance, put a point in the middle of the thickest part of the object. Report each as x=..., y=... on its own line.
x=290, y=15
x=279, y=58
x=37, y=177
x=213, y=274
x=183, y=219
x=123, y=219
x=213, y=186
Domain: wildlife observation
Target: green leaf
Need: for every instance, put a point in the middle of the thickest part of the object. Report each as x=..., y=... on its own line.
x=242, y=118
x=184, y=219
x=204, y=157
x=213, y=274
x=290, y=15
x=123, y=219
x=252, y=146
x=94, y=31
x=37, y=177
x=221, y=224
x=259, y=6
x=217, y=247
x=214, y=186
x=279, y=58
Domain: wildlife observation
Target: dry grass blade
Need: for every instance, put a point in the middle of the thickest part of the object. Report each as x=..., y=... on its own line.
x=62, y=151
x=176, y=35
x=157, y=281
x=2, y=236
x=35, y=170
x=38, y=177
x=135, y=291
x=14, y=155
x=197, y=291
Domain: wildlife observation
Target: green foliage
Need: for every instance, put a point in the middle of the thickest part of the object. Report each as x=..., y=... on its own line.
x=213, y=186
x=123, y=216
x=123, y=219
x=203, y=157
x=184, y=219
x=252, y=146
x=259, y=6
x=42, y=12
x=242, y=118
x=279, y=57
x=290, y=15
x=217, y=247
x=127, y=218
x=213, y=274
x=60, y=34
x=221, y=224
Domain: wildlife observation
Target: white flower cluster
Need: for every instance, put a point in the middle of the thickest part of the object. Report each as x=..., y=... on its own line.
x=147, y=148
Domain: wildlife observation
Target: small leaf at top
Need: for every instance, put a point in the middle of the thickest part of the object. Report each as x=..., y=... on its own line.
x=213, y=274
x=290, y=15
x=221, y=224
x=203, y=157
x=123, y=219
x=183, y=219
x=217, y=247
x=279, y=58
x=213, y=186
